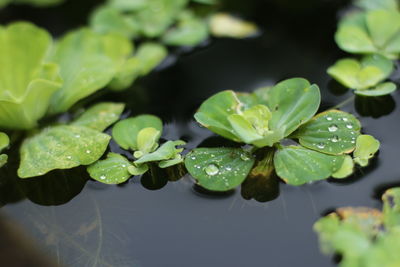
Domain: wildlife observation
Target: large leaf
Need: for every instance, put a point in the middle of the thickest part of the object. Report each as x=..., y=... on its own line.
x=113, y=170
x=219, y=169
x=292, y=102
x=26, y=81
x=214, y=112
x=297, y=165
x=100, y=116
x=331, y=132
x=88, y=62
x=125, y=132
x=61, y=147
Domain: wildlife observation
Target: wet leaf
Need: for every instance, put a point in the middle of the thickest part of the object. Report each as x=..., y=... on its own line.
x=297, y=165
x=292, y=103
x=346, y=169
x=366, y=147
x=361, y=75
x=166, y=151
x=379, y=90
x=27, y=80
x=61, y=147
x=226, y=25
x=331, y=132
x=113, y=170
x=147, y=140
x=100, y=116
x=125, y=132
x=219, y=169
x=214, y=112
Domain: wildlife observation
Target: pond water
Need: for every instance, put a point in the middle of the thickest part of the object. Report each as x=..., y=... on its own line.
x=83, y=223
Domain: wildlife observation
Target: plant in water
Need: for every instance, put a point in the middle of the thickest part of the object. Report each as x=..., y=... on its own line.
x=364, y=237
x=4, y=142
x=365, y=77
x=280, y=120
x=140, y=134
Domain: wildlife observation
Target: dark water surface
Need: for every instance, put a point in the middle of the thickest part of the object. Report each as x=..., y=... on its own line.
x=129, y=225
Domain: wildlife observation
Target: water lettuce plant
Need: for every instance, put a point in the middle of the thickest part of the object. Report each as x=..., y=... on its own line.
x=365, y=77
x=364, y=237
x=141, y=135
x=280, y=119
x=369, y=32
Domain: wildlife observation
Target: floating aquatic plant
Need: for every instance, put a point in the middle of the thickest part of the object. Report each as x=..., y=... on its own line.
x=364, y=237
x=264, y=120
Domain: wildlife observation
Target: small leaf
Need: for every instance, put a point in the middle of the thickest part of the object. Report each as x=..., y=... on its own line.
x=138, y=169
x=61, y=147
x=4, y=141
x=100, y=116
x=346, y=169
x=171, y=162
x=165, y=152
x=379, y=90
x=150, y=55
x=219, y=169
x=297, y=165
x=147, y=140
x=214, y=112
x=366, y=147
x=292, y=103
x=226, y=25
x=113, y=170
x=391, y=207
x=331, y=132
x=125, y=132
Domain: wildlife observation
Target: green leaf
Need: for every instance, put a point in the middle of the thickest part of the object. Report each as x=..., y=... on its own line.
x=147, y=140
x=88, y=62
x=292, y=102
x=214, y=112
x=113, y=170
x=382, y=26
x=331, y=132
x=297, y=165
x=110, y=20
x=150, y=55
x=100, y=116
x=189, y=31
x=127, y=5
x=138, y=169
x=391, y=207
x=27, y=81
x=3, y=160
x=4, y=141
x=61, y=147
x=166, y=151
x=361, y=75
x=377, y=4
x=219, y=169
x=226, y=25
x=366, y=147
x=125, y=132
x=346, y=169
x=379, y=90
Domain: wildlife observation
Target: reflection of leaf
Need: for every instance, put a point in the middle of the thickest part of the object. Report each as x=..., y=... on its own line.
x=374, y=106
x=219, y=169
x=61, y=147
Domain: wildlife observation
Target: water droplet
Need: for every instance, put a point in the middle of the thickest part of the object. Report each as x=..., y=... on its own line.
x=211, y=169
x=193, y=158
x=77, y=136
x=88, y=151
x=102, y=177
x=353, y=142
x=335, y=139
x=123, y=165
x=321, y=145
x=329, y=118
x=345, y=119
x=333, y=128
x=228, y=168
x=69, y=157
x=245, y=156
x=349, y=126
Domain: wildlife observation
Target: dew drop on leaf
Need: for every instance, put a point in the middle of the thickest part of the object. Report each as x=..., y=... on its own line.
x=321, y=145
x=329, y=118
x=211, y=169
x=335, y=139
x=244, y=156
x=349, y=126
x=333, y=128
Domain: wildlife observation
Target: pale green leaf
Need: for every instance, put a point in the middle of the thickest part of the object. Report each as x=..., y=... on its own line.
x=166, y=151
x=100, y=116
x=292, y=102
x=147, y=140
x=226, y=25
x=113, y=170
x=125, y=132
x=377, y=4
x=61, y=147
x=4, y=141
x=382, y=26
x=379, y=90
x=346, y=169
x=150, y=55
x=297, y=165
x=331, y=132
x=391, y=207
x=138, y=169
x=219, y=169
x=366, y=147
